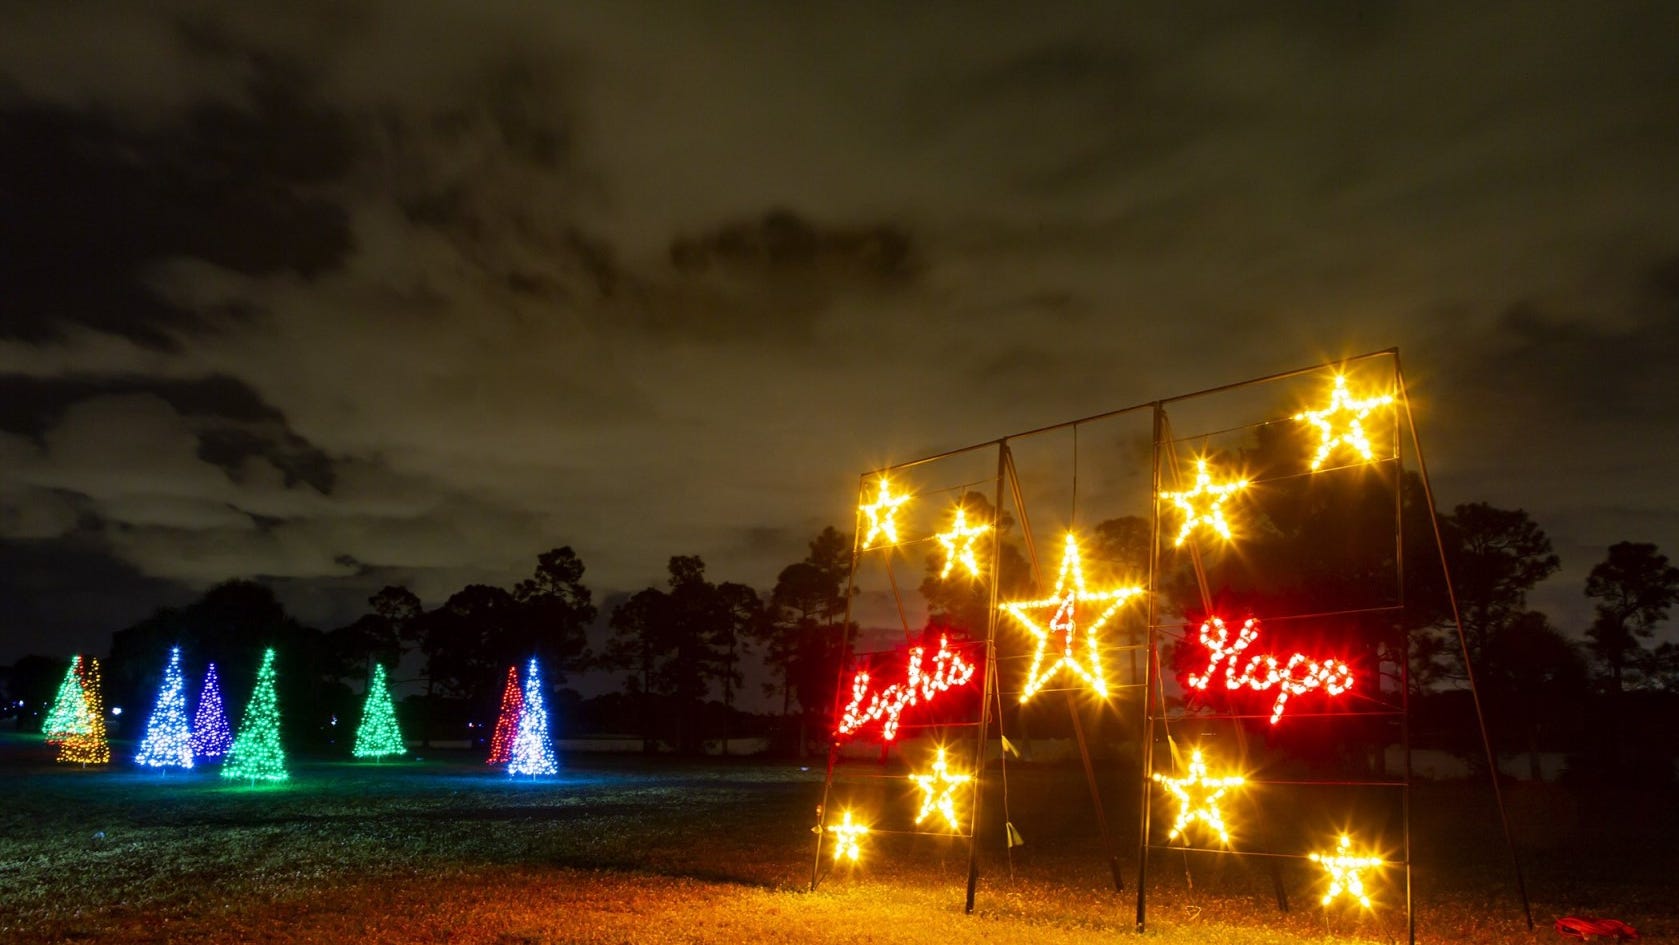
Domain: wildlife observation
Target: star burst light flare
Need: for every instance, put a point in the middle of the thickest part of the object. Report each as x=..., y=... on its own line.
x=882, y=515
x=1204, y=504
x=168, y=741
x=958, y=544
x=938, y=791
x=1064, y=626
x=848, y=835
x=1340, y=424
x=1346, y=872
x=1198, y=795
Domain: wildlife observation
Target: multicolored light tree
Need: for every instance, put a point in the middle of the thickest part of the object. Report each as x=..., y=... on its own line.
x=86, y=744
x=257, y=754
x=168, y=741
x=211, y=736
x=533, y=749
x=507, y=720
x=378, y=734
x=69, y=707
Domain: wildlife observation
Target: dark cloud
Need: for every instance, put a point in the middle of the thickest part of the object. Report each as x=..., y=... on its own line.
x=90, y=204
x=341, y=294
x=232, y=422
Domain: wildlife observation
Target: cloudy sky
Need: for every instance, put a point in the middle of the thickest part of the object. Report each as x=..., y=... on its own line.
x=341, y=294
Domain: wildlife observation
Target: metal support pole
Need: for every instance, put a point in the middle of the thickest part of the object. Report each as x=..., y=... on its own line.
x=1151, y=678
x=988, y=686
x=1463, y=642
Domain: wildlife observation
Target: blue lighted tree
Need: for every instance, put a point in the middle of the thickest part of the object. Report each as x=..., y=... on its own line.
x=168, y=741
x=533, y=749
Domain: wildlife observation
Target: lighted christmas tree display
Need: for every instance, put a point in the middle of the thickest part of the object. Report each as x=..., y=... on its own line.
x=211, y=737
x=507, y=722
x=86, y=744
x=68, y=707
x=533, y=751
x=256, y=754
x=168, y=741
x=378, y=735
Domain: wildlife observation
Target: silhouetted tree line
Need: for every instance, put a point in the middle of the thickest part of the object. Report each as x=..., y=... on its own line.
x=1354, y=550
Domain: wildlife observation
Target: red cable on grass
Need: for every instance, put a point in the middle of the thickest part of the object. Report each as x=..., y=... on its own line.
x=1574, y=926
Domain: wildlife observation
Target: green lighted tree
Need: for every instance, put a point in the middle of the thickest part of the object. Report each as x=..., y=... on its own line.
x=378, y=735
x=68, y=707
x=256, y=754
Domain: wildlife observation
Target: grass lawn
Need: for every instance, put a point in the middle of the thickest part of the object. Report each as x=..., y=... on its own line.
x=626, y=850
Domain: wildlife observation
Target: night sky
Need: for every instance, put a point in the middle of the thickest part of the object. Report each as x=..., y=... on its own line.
x=344, y=294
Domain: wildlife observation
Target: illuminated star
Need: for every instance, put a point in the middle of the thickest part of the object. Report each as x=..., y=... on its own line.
x=938, y=790
x=1198, y=796
x=1204, y=504
x=846, y=836
x=1345, y=872
x=1063, y=629
x=1351, y=430
x=959, y=544
x=881, y=515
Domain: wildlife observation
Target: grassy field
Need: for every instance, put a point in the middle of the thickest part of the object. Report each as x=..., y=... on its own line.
x=625, y=850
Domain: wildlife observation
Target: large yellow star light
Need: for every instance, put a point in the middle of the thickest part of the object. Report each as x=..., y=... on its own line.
x=847, y=838
x=1348, y=431
x=1346, y=872
x=881, y=513
x=959, y=544
x=938, y=792
x=1198, y=796
x=1064, y=627
x=1204, y=504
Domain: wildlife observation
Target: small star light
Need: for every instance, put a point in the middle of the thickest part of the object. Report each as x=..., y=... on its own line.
x=959, y=544
x=881, y=515
x=1345, y=872
x=1204, y=504
x=938, y=790
x=1198, y=796
x=1351, y=430
x=847, y=834
x=1063, y=629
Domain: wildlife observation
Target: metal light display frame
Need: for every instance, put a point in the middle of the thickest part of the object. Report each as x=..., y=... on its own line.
x=1197, y=501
